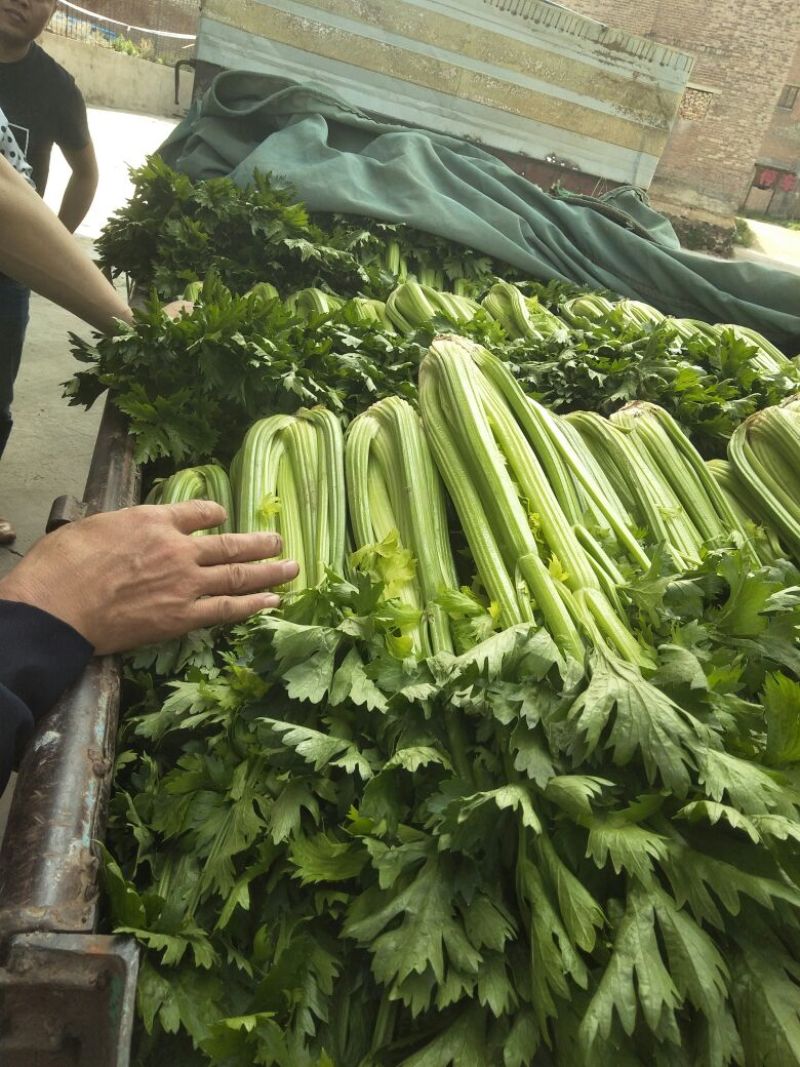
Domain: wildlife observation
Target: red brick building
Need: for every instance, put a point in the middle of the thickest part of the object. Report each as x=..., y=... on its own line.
x=775, y=189
x=746, y=52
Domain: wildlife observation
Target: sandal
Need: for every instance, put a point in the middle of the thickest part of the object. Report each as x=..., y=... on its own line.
x=7, y=532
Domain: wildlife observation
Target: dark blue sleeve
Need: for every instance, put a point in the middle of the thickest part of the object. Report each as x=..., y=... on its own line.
x=40, y=657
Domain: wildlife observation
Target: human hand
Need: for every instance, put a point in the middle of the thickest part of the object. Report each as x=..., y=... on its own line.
x=175, y=309
x=137, y=576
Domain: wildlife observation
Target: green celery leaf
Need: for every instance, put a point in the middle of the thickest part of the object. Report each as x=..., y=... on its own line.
x=575, y=793
x=324, y=859
x=554, y=958
x=694, y=877
x=248, y=1039
x=428, y=929
x=311, y=745
x=766, y=998
x=698, y=970
x=286, y=813
x=782, y=712
x=749, y=787
x=644, y=720
x=635, y=980
x=522, y=1042
x=629, y=847
x=461, y=1044
x=495, y=988
x=351, y=683
x=581, y=914
x=517, y=798
x=713, y=813
x=531, y=756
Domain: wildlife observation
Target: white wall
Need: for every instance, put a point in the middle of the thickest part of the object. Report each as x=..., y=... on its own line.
x=110, y=79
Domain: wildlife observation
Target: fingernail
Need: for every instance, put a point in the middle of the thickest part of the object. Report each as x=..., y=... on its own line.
x=290, y=568
x=275, y=543
x=270, y=600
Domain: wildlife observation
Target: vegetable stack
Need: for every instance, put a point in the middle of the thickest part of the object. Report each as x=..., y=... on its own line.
x=511, y=778
x=527, y=803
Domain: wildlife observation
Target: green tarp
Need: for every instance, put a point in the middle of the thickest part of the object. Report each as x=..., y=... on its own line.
x=340, y=160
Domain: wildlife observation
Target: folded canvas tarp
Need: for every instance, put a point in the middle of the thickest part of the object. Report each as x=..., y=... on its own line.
x=340, y=160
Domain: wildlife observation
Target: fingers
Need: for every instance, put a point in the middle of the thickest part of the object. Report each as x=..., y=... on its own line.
x=237, y=548
x=192, y=515
x=240, y=579
x=218, y=610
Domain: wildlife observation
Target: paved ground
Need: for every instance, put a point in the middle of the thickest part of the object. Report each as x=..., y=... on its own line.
x=775, y=246
x=49, y=450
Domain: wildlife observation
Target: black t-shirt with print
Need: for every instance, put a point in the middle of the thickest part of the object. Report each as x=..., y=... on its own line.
x=44, y=107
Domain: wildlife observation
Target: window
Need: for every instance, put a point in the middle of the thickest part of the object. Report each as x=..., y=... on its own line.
x=788, y=96
x=695, y=103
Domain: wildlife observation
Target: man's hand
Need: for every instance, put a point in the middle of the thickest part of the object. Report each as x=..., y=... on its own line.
x=135, y=577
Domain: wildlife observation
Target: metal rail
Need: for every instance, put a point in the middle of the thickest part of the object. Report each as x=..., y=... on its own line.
x=66, y=993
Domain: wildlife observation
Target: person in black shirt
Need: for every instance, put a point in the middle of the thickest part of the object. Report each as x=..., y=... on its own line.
x=43, y=106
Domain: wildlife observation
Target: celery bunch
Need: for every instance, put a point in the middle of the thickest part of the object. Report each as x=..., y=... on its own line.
x=413, y=304
x=396, y=501
x=764, y=454
x=288, y=477
x=207, y=482
x=522, y=316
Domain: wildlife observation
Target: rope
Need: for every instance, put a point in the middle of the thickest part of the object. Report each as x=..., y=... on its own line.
x=127, y=25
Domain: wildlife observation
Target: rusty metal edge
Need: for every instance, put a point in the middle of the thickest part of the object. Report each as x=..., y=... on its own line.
x=48, y=864
x=64, y=996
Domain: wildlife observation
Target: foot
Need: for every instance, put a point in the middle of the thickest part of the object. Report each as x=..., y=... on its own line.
x=7, y=532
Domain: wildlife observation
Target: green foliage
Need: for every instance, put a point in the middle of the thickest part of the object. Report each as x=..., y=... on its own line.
x=125, y=46
x=174, y=230
x=230, y=362
x=314, y=879
x=334, y=854
x=709, y=384
x=235, y=358
x=239, y=357
x=743, y=235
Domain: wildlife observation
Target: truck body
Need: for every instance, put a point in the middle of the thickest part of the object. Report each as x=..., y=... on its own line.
x=551, y=92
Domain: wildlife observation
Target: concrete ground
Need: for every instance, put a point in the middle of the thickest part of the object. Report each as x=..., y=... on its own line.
x=51, y=444
x=773, y=246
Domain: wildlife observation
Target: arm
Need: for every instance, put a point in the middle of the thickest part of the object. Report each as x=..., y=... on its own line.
x=41, y=657
x=82, y=185
x=38, y=251
x=113, y=582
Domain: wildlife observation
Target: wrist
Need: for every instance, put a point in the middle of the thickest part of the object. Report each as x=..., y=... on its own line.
x=107, y=316
x=18, y=590
x=28, y=599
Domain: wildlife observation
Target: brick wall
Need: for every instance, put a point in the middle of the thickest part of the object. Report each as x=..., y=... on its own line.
x=744, y=51
x=780, y=149
x=781, y=144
